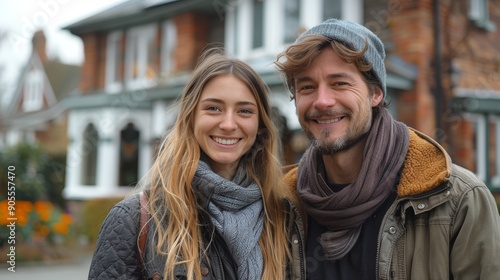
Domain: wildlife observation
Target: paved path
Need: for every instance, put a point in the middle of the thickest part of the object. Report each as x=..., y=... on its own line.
x=75, y=270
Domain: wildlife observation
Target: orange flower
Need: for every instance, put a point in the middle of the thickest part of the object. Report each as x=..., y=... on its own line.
x=41, y=230
x=22, y=219
x=44, y=210
x=67, y=219
x=62, y=226
x=20, y=210
x=24, y=206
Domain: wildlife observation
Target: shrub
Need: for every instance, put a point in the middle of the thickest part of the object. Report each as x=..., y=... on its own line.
x=38, y=175
x=36, y=222
x=93, y=214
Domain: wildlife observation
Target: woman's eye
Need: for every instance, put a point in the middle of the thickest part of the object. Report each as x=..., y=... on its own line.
x=213, y=108
x=246, y=111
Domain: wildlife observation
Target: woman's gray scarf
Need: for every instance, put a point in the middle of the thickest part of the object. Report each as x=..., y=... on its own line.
x=344, y=212
x=236, y=210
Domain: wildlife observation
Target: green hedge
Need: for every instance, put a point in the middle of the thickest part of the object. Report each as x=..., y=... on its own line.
x=35, y=174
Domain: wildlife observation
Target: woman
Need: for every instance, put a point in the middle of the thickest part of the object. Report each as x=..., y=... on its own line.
x=215, y=196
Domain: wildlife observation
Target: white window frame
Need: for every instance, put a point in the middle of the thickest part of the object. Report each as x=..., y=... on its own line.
x=168, y=45
x=479, y=14
x=480, y=149
x=33, y=91
x=113, y=85
x=239, y=24
x=139, y=37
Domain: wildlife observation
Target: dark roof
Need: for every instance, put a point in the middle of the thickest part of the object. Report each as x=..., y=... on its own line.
x=134, y=12
x=64, y=78
x=124, y=9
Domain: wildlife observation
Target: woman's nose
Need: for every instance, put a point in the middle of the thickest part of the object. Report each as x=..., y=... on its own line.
x=228, y=122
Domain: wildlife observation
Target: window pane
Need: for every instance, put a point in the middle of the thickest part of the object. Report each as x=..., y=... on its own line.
x=491, y=147
x=151, y=60
x=332, y=9
x=495, y=153
x=292, y=20
x=116, y=61
x=135, y=56
x=168, y=47
x=477, y=9
x=479, y=145
x=129, y=156
x=141, y=57
x=33, y=91
x=89, y=154
x=258, y=24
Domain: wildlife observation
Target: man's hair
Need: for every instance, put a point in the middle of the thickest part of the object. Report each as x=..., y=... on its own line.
x=299, y=56
x=353, y=42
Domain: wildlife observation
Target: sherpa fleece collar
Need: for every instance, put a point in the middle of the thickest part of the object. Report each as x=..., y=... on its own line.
x=427, y=165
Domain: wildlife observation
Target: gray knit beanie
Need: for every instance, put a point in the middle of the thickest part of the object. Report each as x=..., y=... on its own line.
x=355, y=35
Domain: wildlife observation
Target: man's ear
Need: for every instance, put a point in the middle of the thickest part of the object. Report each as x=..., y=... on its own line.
x=378, y=96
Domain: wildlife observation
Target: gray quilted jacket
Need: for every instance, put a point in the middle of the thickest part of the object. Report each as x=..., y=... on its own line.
x=115, y=255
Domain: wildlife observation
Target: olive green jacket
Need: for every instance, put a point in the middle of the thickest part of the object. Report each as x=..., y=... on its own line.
x=444, y=223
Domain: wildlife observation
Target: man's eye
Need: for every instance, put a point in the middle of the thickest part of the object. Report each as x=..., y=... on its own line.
x=306, y=87
x=340, y=84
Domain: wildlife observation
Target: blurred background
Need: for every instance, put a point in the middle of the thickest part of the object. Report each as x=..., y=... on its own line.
x=87, y=91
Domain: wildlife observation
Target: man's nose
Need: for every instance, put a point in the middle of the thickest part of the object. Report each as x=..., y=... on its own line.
x=324, y=98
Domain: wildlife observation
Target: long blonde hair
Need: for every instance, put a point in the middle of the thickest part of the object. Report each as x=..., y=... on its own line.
x=172, y=203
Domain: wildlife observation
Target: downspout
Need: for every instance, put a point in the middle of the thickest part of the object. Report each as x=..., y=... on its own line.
x=438, y=60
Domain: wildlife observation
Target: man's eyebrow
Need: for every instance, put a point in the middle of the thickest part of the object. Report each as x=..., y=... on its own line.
x=331, y=76
x=303, y=79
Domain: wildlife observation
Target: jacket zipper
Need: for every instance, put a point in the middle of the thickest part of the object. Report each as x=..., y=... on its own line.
x=434, y=191
x=300, y=239
x=384, y=220
x=301, y=252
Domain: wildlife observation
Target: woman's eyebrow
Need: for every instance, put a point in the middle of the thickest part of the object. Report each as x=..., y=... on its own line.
x=220, y=101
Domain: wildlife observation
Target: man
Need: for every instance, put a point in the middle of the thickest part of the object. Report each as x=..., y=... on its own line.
x=383, y=201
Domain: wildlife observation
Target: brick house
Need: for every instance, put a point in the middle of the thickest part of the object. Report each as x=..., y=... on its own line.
x=456, y=96
x=36, y=113
x=139, y=54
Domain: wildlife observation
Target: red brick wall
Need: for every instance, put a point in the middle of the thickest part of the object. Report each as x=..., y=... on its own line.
x=476, y=53
x=192, y=36
x=474, y=50
x=93, y=67
x=193, y=31
x=412, y=35
x=87, y=81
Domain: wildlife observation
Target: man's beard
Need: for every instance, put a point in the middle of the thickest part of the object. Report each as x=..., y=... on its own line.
x=337, y=145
